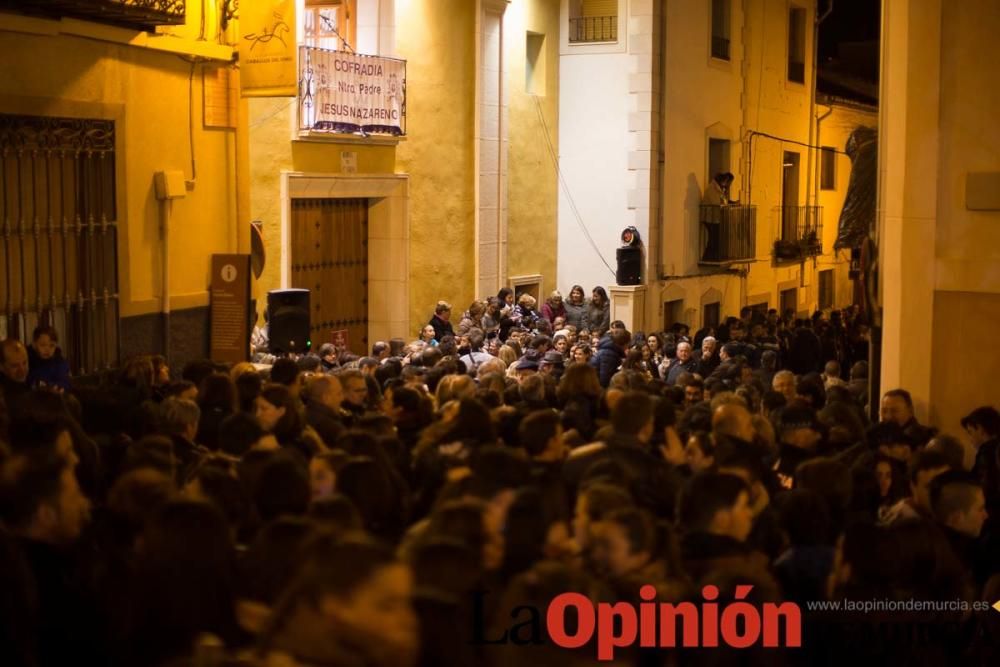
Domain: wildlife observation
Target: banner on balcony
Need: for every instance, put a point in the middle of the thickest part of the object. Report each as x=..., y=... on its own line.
x=350, y=93
x=267, y=49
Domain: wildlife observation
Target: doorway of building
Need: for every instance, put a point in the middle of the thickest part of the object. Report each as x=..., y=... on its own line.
x=789, y=301
x=329, y=243
x=673, y=312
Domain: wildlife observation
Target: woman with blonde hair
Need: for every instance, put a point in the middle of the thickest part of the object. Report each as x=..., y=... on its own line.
x=454, y=387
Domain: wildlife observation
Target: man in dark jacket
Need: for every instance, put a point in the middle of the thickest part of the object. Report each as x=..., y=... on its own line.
x=730, y=368
x=610, y=352
x=323, y=396
x=653, y=482
x=13, y=371
x=441, y=321
x=684, y=362
x=716, y=519
x=805, y=353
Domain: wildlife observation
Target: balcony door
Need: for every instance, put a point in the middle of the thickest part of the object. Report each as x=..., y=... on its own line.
x=789, y=196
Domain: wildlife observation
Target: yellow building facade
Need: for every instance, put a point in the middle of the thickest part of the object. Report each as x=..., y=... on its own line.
x=465, y=201
x=152, y=89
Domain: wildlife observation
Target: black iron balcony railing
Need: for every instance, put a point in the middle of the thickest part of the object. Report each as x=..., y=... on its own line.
x=728, y=234
x=799, y=232
x=137, y=14
x=593, y=29
x=720, y=47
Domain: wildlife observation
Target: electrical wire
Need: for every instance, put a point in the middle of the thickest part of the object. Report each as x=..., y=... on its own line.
x=565, y=186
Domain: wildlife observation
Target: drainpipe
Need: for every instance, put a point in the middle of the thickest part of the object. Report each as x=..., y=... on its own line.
x=819, y=163
x=165, y=209
x=657, y=226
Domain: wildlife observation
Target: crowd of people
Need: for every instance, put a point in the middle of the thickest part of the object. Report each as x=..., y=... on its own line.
x=412, y=506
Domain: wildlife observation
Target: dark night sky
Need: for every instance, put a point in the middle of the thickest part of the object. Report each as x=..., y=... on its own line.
x=851, y=21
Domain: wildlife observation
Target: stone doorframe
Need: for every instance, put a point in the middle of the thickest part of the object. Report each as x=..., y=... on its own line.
x=388, y=240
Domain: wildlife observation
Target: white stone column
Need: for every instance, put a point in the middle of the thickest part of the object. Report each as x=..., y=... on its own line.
x=491, y=207
x=628, y=304
x=908, y=191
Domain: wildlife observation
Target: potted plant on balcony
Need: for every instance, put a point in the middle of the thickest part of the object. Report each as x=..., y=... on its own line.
x=786, y=249
x=811, y=244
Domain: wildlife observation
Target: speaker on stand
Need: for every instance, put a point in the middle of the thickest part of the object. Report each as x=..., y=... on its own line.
x=629, y=257
x=288, y=321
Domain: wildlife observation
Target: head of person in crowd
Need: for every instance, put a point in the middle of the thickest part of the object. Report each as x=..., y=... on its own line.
x=427, y=333
x=14, y=356
x=957, y=500
x=40, y=498
x=241, y=432
x=896, y=407
x=180, y=418
x=599, y=296
x=733, y=420
x=576, y=296
x=380, y=350
x=581, y=353
x=890, y=440
x=799, y=427
x=506, y=297
x=623, y=542
x=286, y=372
x=694, y=392
x=323, y=473
x=859, y=370
x=367, y=365
x=278, y=413
x=442, y=311
x=355, y=390
x=633, y=417
x=954, y=450
x=784, y=384
x=924, y=467
x=540, y=434
x=161, y=370
x=325, y=390
x=718, y=504
x=595, y=501
x=699, y=452
x=810, y=390
x=982, y=425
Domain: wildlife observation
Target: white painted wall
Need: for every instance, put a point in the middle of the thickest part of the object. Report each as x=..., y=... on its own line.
x=594, y=106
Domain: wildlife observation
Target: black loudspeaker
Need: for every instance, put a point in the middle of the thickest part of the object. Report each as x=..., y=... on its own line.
x=288, y=320
x=629, y=265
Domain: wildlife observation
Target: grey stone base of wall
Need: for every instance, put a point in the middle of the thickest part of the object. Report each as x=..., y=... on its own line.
x=143, y=334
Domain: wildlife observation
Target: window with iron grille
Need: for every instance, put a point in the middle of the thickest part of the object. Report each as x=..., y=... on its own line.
x=593, y=21
x=59, y=236
x=720, y=29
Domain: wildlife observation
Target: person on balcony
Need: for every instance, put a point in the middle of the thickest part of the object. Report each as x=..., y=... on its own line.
x=716, y=195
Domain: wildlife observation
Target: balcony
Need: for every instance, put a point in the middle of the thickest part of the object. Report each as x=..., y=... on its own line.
x=799, y=232
x=135, y=14
x=728, y=234
x=586, y=29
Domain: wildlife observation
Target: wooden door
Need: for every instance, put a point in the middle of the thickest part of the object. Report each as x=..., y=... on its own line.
x=330, y=258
